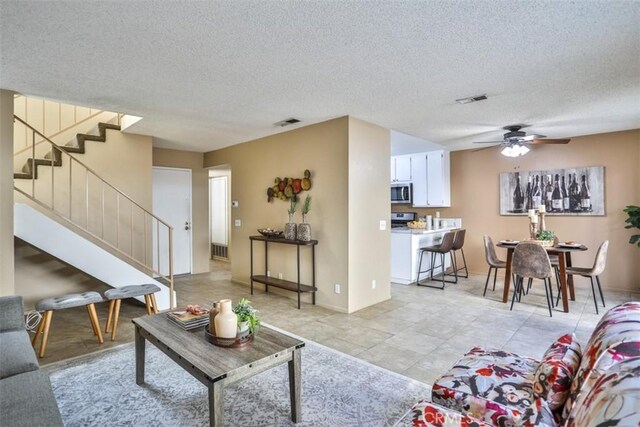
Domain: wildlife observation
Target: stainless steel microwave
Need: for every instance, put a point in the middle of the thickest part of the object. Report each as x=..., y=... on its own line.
x=401, y=193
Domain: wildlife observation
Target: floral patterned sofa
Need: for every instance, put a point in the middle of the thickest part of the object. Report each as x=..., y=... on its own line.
x=595, y=386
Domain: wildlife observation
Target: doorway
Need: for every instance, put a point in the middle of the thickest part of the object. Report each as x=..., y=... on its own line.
x=172, y=203
x=219, y=212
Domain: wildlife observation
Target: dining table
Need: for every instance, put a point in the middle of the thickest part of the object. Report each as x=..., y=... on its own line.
x=563, y=251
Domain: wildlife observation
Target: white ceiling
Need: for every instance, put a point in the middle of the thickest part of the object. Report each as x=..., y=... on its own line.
x=210, y=74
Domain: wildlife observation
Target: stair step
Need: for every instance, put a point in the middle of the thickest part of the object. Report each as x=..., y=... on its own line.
x=30, y=168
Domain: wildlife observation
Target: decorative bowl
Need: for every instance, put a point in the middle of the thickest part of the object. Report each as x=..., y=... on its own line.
x=267, y=232
x=239, y=341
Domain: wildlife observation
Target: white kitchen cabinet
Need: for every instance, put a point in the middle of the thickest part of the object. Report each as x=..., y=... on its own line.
x=400, y=168
x=431, y=180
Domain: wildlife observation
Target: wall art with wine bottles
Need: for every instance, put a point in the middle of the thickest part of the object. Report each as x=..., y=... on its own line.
x=570, y=191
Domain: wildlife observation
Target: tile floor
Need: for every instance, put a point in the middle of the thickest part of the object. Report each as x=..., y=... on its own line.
x=419, y=332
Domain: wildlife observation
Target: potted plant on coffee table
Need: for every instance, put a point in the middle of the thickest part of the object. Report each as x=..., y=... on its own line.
x=248, y=319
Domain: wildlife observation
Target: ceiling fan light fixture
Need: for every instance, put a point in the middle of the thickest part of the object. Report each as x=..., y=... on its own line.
x=514, y=150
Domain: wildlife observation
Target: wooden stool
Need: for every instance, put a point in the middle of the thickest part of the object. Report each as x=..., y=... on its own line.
x=49, y=305
x=116, y=295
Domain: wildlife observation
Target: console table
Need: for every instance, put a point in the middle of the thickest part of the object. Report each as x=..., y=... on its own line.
x=280, y=283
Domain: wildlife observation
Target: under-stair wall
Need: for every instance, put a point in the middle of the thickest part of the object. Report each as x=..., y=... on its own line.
x=37, y=267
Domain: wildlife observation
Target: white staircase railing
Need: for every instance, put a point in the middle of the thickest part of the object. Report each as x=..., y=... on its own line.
x=78, y=195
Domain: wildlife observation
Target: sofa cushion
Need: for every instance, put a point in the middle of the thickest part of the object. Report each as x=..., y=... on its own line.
x=493, y=375
x=16, y=354
x=618, y=326
x=553, y=377
x=613, y=398
x=27, y=400
x=11, y=313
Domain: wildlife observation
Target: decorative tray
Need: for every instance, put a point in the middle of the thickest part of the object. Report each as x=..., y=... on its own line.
x=238, y=341
x=267, y=232
x=545, y=243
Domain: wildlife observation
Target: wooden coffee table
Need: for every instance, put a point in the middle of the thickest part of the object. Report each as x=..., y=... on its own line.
x=216, y=367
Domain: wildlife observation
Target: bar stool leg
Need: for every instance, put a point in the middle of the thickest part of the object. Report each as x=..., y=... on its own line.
x=464, y=261
x=93, y=316
x=107, y=327
x=419, y=268
x=495, y=277
x=45, y=335
x=155, y=304
x=116, y=317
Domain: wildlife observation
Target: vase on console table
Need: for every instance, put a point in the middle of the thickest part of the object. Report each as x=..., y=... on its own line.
x=304, y=229
x=290, y=229
x=226, y=322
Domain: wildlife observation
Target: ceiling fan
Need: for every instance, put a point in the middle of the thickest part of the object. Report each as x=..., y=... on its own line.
x=515, y=141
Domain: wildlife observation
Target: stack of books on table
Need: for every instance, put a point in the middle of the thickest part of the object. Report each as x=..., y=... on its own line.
x=187, y=320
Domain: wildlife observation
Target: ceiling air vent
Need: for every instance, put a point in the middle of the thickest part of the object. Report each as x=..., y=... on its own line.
x=471, y=99
x=287, y=122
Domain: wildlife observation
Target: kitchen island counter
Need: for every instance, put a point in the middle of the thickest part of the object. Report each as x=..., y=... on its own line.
x=405, y=252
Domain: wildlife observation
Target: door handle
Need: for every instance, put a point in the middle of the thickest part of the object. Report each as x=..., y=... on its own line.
x=187, y=225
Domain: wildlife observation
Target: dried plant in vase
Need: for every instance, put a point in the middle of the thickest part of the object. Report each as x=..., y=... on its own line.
x=304, y=229
x=290, y=228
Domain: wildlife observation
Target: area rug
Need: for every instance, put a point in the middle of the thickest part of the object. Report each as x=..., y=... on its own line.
x=337, y=390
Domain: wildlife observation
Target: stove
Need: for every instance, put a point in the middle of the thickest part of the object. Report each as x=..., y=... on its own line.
x=401, y=219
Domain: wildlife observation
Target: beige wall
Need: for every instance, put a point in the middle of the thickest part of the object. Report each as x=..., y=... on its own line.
x=6, y=194
x=369, y=247
x=200, y=200
x=323, y=149
x=40, y=275
x=474, y=197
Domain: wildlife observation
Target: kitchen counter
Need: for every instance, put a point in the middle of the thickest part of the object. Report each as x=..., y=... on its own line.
x=407, y=230
x=405, y=252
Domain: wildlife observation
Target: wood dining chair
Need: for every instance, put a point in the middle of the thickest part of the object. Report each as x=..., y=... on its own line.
x=531, y=260
x=599, y=264
x=493, y=261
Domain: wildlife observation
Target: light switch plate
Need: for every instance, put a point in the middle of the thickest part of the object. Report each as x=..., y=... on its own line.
x=383, y=225
x=238, y=223
x=234, y=204
x=336, y=288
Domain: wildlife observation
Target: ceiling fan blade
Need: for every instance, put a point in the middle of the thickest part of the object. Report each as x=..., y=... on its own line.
x=550, y=141
x=533, y=136
x=488, y=142
x=483, y=148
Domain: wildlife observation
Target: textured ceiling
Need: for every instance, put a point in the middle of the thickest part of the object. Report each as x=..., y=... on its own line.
x=210, y=74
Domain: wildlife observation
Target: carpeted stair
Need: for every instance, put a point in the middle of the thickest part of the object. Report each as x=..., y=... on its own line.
x=78, y=145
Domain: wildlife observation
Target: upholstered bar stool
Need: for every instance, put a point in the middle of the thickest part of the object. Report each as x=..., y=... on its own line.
x=49, y=305
x=458, y=243
x=116, y=295
x=531, y=260
x=445, y=247
x=493, y=261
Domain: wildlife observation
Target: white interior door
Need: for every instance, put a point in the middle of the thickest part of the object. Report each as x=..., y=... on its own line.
x=219, y=221
x=172, y=203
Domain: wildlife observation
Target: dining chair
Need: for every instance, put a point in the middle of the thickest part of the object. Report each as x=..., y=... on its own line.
x=531, y=260
x=599, y=265
x=445, y=247
x=458, y=243
x=493, y=261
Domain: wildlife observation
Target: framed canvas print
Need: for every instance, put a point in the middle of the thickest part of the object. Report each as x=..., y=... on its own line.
x=569, y=191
